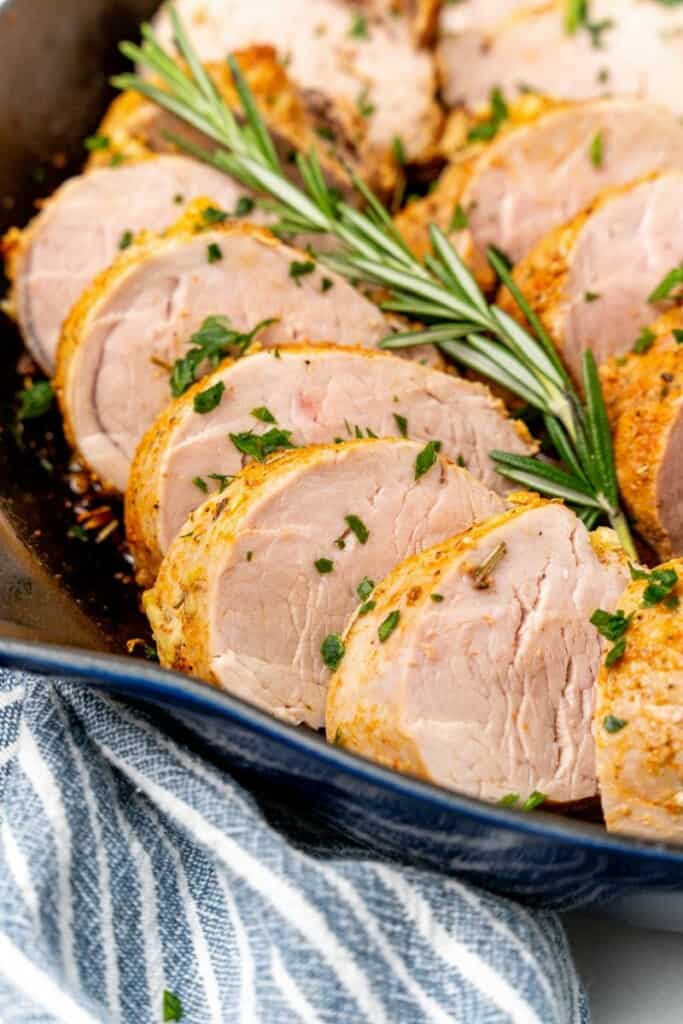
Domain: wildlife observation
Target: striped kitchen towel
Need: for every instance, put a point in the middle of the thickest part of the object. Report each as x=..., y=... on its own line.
x=140, y=884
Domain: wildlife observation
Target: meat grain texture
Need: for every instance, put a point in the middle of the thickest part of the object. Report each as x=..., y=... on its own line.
x=122, y=338
x=590, y=281
x=486, y=684
x=318, y=393
x=240, y=601
x=638, y=52
x=639, y=721
x=83, y=226
x=644, y=395
x=539, y=172
x=358, y=60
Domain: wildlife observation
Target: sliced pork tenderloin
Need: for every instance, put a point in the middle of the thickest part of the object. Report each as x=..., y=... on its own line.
x=476, y=667
x=421, y=15
x=540, y=171
x=356, y=59
x=624, y=47
x=317, y=393
x=644, y=394
x=468, y=15
x=639, y=714
x=591, y=282
x=134, y=127
x=253, y=593
x=123, y=338
x=82, y=227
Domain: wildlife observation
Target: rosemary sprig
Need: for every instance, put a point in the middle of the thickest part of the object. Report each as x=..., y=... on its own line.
x=441, y=292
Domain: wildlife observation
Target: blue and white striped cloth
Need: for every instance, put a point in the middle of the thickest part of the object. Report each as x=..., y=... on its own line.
x=138, y=883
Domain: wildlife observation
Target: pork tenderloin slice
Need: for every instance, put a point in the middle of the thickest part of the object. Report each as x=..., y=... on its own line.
x=469, y=15
x=373, y=64
x=488, y=690
x=590, y=280
x=239, y=600
x=538, y=173
x=298, y=120
x=124, y=335
x=639, y=719
x=639, y=54
x=80, y=230
x=645, y=395
x=319, y=393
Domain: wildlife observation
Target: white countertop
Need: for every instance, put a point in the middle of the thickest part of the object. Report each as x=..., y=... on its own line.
x=632, y=976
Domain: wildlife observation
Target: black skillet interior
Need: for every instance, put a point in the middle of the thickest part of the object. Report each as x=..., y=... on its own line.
x=55, y=62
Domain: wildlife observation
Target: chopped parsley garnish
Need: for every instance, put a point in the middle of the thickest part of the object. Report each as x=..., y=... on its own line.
x=437, y=598
x=591, y=296
x=126, y=240
x=509, y=800
x=324, y=565
x=199, y=482
x=78, y=532
x=644, y=341
x=95, y=142
x=678, y=335
x=359, y=27
x=489, y=128
x=616, y=653
x=660, y=584
x=221, y=479
x=578, y=16
x=665, y=287
x=534, y=801
x=461, y=462
x=426, y=458
x=263, y=414
x=214, y=340
x=299, y=269
x=332, y=650
x=611, y=724
x=459, y=220
x=117, y=159
x=212, y=215
x=35, y=401
x=207, y=400
x=596, y=154
x=365, y=588
x=243, y=206
x=367, y=607
x=387, y=627
x=358, y=527
x=612, y=627
x=326, y=284
x=173, y=1008
x=178, y=198
x=214, y=252
x=398, y=150
x=363, y=104
x=260, y=447
x=402, y=424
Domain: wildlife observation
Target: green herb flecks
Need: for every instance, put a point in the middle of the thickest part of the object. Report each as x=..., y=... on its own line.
x=263, y=414
x=365, y=588
x=596, y=150
x=357, y=527
x=440, y=292
x=426, y=458
x=612, y=725
x=488, y=129
x=207, y=400
x=260, y=446
x=214, y=340
x=172, y=1006
x=35, y=401
x=387, y=627
x=402, y=424
x=332, y=650
x=324, y=566
x=299, y=269
x=666, y=286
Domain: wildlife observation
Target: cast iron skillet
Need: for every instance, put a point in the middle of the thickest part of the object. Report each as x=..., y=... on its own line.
x=65, y=603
